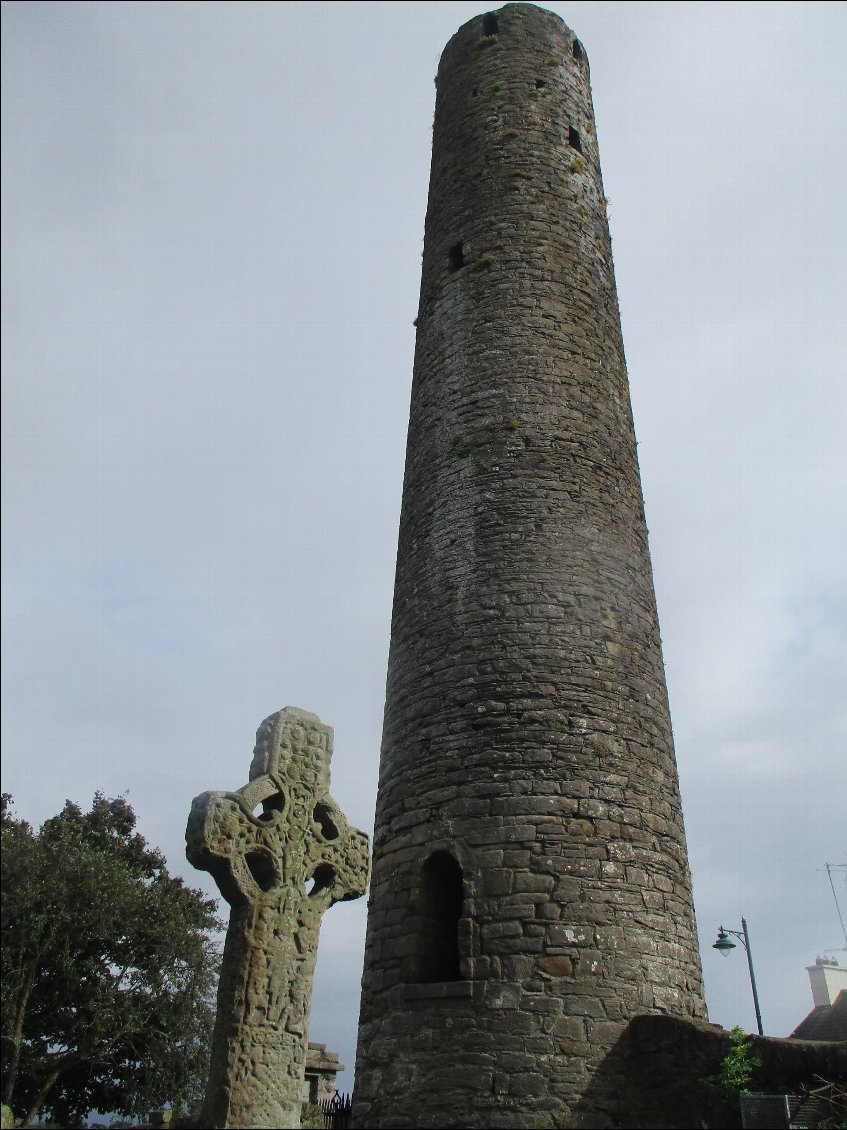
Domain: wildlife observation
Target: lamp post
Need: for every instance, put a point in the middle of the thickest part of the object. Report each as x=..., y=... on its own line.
x=723, y=945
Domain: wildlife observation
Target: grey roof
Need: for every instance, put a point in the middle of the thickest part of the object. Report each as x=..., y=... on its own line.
x=827, y=1022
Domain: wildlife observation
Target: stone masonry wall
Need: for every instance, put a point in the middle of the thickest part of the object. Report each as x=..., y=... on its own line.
x=658, y=1074
x=527, y=746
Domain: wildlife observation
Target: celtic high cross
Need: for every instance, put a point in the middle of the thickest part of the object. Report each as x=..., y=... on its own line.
x=282, y=853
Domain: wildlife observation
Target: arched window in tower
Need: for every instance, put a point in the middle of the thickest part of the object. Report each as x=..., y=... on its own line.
x=441, y=898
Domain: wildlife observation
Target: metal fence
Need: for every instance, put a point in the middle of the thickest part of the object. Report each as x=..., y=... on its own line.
x=337, y=1112
x=787, y=1112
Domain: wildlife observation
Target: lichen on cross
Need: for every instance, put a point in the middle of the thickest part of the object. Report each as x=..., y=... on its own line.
x=281, y=852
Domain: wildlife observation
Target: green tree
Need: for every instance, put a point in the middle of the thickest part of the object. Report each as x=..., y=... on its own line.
x=739, y=1063
x=108, y=968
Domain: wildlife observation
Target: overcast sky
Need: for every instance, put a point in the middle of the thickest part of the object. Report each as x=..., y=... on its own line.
x=213, y=220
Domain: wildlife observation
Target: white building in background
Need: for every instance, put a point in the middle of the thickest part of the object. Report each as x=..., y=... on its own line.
x=828, y=1018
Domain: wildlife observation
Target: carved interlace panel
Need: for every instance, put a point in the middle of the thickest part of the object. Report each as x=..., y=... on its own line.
x=281, y=852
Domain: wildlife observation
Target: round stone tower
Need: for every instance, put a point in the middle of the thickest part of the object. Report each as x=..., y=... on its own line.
x=530, y=886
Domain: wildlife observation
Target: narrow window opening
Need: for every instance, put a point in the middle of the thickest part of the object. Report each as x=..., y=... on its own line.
x=441, y=908
x=489, y=23
x=578, y=52
x=574, y=139
x=456, y=257
x=540, y=83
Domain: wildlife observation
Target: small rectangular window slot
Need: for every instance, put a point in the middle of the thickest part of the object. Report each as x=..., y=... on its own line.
x=489, y=23
x=440, y=901
x=574, y=139
x=456, y=257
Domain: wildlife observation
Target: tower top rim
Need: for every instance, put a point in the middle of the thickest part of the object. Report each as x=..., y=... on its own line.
x=529, y=14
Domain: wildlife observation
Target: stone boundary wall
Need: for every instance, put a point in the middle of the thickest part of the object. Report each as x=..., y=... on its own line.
x=653, y=1076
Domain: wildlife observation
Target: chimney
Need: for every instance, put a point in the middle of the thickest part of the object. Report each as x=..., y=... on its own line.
x=827, y=979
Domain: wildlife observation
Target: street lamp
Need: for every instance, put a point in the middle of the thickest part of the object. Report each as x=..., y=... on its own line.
x=723, y=945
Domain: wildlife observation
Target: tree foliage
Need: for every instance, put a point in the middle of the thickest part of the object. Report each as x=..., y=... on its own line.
x=108, y=968
x=739, y=1063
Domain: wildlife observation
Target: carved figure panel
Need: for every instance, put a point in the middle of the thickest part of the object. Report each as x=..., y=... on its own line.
x=281, y=852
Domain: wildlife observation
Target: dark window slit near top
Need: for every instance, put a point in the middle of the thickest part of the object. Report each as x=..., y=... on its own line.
x=539, y=83
x=574, y=139
x=455, y=257
x=489, y=23
x=578, y=51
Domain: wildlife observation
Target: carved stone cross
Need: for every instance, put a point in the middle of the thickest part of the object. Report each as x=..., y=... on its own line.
x=281, y=852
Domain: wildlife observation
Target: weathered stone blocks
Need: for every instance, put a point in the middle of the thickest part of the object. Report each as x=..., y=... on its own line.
x=528, y=782
x=282, y=853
